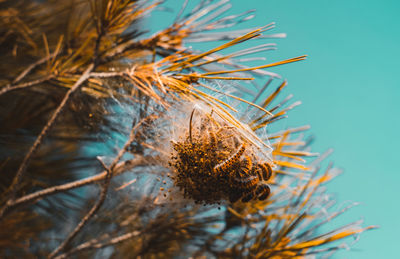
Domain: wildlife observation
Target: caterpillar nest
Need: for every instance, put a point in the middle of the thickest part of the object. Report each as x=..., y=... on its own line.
x=212, y=163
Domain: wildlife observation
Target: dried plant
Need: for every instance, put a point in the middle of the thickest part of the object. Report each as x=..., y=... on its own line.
x=186, y=165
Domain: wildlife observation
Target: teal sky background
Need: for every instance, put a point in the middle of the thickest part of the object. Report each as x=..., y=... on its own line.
x=350, y=89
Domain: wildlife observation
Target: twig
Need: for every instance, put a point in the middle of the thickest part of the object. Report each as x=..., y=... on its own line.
x=9, y=88
x=94, y=244
x=32, y=66
x=89, y=215
x=106, y=74
x=100, y=201
x=129, y=142
x=119, y=168
x=21, y=170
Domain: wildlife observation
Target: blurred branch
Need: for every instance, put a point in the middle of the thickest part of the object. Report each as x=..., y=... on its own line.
x=17, y=178
x=9, y=88
x=100, y=201
x=34, y=65
x=89, y=215
x=95, y=244
x=119, y=168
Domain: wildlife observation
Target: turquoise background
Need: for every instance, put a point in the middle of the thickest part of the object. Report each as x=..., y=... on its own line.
x=350, y=90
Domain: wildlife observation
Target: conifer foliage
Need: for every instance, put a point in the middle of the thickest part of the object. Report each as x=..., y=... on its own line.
x=116, y=143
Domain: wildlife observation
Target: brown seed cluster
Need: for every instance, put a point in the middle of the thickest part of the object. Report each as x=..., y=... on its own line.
x=212, y=164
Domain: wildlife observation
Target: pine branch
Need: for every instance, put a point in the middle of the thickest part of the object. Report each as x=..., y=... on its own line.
x=119, y=169
x=110, y=172
x=33, y=66
x=21, y=170
x=218, y=145
x=9, y=88
x=88, y=216
x=95, y=244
